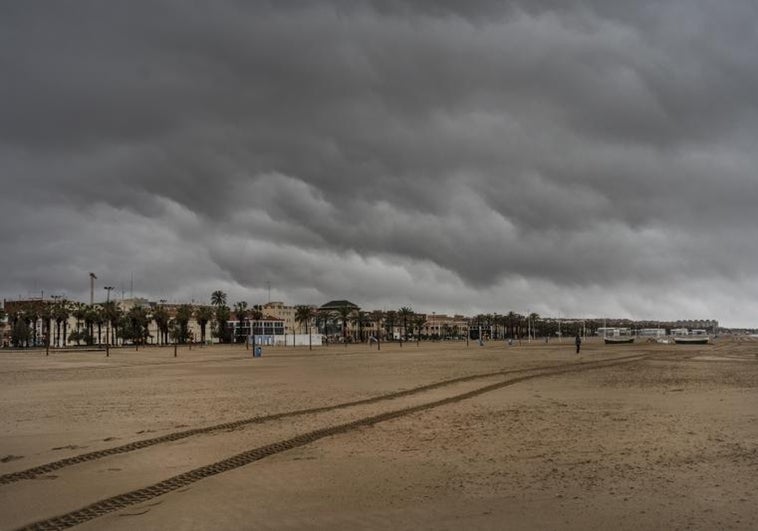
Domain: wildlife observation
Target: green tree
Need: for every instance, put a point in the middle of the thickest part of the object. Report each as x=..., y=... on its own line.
x=534, y=321
x=241, y=314
x=377, y=316
x=20, y=333
x=112, y=316
x=137, y=321
x=46, y=314
x=60, y=314
x=241, y=311
x=324, y=318
x=222, y=317
x=203, y=315
x=79, y=312
x=304, y=314
x=418, y=322
x=31, y=315
x=162, y=319
x=218, y=298
x=90, y=318
x=183, y=316
x=390, y=320
x=406, y=314
x=360, y=319
x=344, y=313
x=256, y=313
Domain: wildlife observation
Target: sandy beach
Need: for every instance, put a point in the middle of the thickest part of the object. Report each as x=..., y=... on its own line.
x=431, y=436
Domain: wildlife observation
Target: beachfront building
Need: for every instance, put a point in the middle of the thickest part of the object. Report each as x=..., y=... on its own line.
x=613, y=331
x=265, y=330
x=441, y=326
x=652, y=332
x=701, y=324
x=279, y=311
x=329, y=320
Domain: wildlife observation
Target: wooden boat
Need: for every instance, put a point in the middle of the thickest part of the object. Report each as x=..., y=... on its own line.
x=692, y=340
x=618, y=340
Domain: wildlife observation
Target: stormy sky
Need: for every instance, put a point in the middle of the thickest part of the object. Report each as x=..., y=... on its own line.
x=593, y=158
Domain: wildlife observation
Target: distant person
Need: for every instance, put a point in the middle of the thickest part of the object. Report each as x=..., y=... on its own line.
x=578, y=342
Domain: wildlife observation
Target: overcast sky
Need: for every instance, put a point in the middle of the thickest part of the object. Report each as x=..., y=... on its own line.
x=592, y=160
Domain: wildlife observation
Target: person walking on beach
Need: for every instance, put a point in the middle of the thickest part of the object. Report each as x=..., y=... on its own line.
x=578, y=342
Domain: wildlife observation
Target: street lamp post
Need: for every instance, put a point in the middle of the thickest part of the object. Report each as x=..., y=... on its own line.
x=108, y=324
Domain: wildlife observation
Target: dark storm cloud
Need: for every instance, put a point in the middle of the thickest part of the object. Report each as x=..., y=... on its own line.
x=583, y=158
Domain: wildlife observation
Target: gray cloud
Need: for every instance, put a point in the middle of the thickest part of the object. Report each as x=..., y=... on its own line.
x=592, y=159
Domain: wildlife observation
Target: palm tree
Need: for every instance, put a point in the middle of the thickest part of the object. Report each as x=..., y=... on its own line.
x=390, y=318
x=60, y=314
x=32, y=315
x=183, y=315
x=138, y=320
x=360, y=319
x=46, y=314
x=161, y=318
x=533, y=319
x=405, y=313
x=203, y=315
x=377, y=316
x=222, y=317
x=20, y=332
x=90, y=318
x=218, y=298
x=241, y=313
x=509, y=318
x=112, y=314
x=344, y=312
x=418, y=322
x=78, y=311
x=323, y=319
x=303, y=315
x=256, y=314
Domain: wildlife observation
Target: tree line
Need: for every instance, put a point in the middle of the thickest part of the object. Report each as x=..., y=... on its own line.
x=99, y=324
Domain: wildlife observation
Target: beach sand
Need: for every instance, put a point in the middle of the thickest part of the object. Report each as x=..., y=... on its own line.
x=665, y=437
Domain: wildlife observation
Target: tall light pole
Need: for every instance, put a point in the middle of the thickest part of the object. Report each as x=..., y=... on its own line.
x=92, y=278
x=108, y=324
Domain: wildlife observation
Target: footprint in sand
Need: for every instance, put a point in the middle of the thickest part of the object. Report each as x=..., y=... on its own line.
x=110, y=439
x=10, y=457
x=68, y=447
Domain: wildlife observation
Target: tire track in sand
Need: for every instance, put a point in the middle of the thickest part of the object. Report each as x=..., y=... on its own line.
x=115, y=503
x=48, y=468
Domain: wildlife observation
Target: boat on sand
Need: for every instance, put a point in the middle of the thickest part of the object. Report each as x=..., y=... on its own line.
x=692, y=340
x=618, y=340
x=693, y=337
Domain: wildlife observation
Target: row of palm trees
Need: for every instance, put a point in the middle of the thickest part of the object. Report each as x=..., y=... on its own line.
x=107, y=323
x=353, y=324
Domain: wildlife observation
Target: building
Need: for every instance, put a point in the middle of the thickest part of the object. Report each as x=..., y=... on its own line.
x=279, y=311
x=328, y=320
x=441, y=326
x=652, y=332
